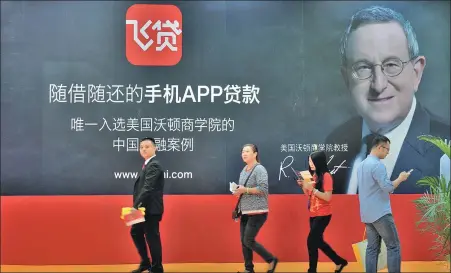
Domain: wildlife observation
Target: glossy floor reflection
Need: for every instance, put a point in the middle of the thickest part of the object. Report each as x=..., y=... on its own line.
x=224, y=267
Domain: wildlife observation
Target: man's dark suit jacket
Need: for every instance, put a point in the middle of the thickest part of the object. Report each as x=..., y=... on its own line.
x=415, y=154
x=148, y=190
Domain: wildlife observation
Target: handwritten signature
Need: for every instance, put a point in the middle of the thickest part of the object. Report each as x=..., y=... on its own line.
x=289, y=160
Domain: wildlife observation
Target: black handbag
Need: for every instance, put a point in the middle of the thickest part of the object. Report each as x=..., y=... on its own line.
x=236, y=213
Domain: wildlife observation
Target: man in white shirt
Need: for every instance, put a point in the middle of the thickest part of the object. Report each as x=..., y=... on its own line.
x=382, y=69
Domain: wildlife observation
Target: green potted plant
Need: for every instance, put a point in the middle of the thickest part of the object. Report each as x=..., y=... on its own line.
x=434, y=205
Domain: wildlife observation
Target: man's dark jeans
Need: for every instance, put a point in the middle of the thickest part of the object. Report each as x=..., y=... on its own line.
x=384, y=228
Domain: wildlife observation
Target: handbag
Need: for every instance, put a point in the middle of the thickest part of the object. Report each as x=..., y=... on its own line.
x=360, y=253
x=236, y=213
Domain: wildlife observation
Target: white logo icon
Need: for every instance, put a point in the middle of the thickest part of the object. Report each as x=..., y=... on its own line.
x=169, y=43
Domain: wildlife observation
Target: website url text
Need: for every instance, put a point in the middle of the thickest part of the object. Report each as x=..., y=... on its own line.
x=167, y=175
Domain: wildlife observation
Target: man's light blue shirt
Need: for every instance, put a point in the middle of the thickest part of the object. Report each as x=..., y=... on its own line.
x=374, y=188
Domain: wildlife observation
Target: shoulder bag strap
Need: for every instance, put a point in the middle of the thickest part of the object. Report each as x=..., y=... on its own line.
x=245, y=183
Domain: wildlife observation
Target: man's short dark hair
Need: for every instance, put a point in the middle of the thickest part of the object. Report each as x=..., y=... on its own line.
x=378, y=139
x=148, y=138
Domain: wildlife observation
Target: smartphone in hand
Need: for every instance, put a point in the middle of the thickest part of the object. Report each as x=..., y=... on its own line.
x=296, y=176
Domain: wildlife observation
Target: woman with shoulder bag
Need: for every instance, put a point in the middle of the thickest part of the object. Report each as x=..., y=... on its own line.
x=252, y=207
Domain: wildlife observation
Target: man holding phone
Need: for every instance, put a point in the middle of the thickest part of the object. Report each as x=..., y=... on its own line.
x=375, y=208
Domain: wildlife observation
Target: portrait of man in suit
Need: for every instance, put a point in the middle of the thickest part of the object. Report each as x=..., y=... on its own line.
x=148, y=193
x=382, y=69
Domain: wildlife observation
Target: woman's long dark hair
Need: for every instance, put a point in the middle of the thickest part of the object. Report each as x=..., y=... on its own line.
x=319, y=159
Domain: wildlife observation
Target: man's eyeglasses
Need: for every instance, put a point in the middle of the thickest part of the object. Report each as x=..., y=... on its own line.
x=391, y=68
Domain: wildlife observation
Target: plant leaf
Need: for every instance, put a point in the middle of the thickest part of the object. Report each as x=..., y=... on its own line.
x=439, y=142
x=434, y=204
